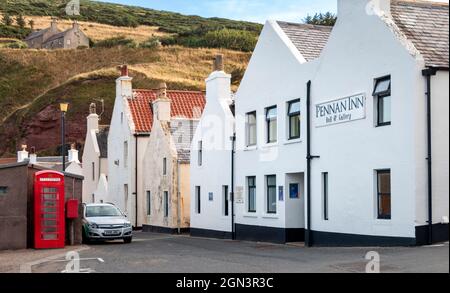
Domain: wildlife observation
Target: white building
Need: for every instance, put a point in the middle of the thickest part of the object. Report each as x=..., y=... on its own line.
x=95, y=159
x=166, y=204
x=128, y=139
x=74, y=164
x=211, y=160
x=348, y=107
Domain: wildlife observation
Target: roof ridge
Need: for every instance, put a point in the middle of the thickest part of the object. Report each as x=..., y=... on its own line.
x=421, y=3
x=327, y=27
x=169, y=91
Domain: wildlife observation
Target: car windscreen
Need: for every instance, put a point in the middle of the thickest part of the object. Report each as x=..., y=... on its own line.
x=102, y=211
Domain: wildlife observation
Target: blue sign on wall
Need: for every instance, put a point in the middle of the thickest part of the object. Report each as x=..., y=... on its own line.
x=293, y=190
x=280, y=193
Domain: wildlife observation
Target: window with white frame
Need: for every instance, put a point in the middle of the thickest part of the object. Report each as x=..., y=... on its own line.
x=382, y=94
x=272, y=124
x=384, y=194
x=198, y=195
x=164, y=166
x=125, y=191
x=294, y=119
x=226, y=200
x=251, y=129
x=325, y=195
x=149, y=203
x=200, y=153
x=251, y=189
x=271, y=190
x=125, y=154
x=166, y=204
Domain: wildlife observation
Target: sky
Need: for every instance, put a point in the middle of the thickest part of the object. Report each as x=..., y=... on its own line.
x=249, y=10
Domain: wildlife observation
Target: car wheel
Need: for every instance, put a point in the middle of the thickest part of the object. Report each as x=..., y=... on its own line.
x=128, y=240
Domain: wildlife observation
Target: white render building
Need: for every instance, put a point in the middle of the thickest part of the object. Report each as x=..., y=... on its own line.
x=211, y=148
x=129, y=164
x=95, y=159
x=342, y=134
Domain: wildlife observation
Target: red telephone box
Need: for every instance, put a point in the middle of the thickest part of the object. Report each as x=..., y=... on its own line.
x=49, y=222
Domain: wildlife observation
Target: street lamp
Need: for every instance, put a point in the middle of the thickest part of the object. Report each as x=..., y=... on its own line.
x=64, y=107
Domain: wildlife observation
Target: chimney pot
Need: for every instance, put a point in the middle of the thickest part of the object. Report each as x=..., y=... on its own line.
x=22, y=155
x=33, y=156
x=124, y=70
x=218, y=63
x=162, y=91
x=73, y=154
x=92, y=108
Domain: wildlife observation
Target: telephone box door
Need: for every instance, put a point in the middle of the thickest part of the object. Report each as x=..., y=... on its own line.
x=49, y=223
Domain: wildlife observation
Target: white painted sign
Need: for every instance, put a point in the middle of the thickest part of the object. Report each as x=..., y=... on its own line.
x=341, y=111
x=239, y=195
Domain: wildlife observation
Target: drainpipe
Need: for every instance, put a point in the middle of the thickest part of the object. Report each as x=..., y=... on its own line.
x=428, y=73
x=309, y=158
x=233, y=151
x=178, y=199
x=136, y=182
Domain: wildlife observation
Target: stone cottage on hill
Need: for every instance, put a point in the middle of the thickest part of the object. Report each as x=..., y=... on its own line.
x=52, y=38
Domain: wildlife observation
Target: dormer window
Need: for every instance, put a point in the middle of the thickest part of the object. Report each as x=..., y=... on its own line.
x=382, y=94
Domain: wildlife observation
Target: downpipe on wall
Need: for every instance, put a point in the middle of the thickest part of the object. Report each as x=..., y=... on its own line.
x=428, y=73
x=178, y=199
x=233, y=152
x=309, y=158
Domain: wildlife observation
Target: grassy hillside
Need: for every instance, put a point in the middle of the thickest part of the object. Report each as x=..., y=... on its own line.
x=120, y=15
x=139, y=24
x=97, y=31
x=33, y=82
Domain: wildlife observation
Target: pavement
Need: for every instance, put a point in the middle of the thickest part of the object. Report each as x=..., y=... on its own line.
x=160, y=253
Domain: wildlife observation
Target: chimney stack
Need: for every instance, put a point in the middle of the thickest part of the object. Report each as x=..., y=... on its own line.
x=23, y=154
x=33, y=156
x=75, y=24
x=73, y=154
x=161, y=106
x=93, y=118
x=124, y=86
x=350, y=8
x=124, y=70
x=218, y=63
x=54, y=24
x=218, y=84
x=162, y=91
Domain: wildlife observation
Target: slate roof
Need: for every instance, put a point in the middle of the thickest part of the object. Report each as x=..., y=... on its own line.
x=308, y=39
x=185, y=104
x=36, y=34
x=56, y=36
x=426, y=25
x=102, y=140
x=183, y=133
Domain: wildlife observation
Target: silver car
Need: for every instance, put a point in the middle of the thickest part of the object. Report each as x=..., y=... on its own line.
x=105, y=222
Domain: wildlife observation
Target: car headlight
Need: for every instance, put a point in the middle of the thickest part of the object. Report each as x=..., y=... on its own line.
x=93, y=226
x=127, y=225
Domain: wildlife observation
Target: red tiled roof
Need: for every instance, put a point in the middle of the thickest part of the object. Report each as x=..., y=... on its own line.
x=184, y=104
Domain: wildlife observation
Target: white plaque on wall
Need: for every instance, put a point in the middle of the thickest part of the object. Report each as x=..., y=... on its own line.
x=340, y=111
